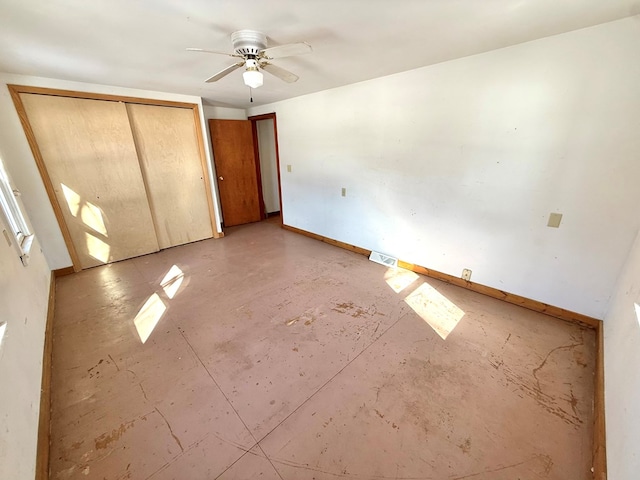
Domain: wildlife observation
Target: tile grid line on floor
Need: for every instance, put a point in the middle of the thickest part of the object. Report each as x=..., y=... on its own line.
x=311, y=398
x=256, y=443
x=232, y=407
x=302, y=404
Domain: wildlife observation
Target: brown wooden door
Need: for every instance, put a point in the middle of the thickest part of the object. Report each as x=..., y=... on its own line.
x=234, y=158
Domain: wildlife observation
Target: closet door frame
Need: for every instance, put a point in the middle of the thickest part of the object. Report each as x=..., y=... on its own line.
x=16, y=90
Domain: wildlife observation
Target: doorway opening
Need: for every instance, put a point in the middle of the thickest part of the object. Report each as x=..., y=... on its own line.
x=246, y=158
x=265, y=143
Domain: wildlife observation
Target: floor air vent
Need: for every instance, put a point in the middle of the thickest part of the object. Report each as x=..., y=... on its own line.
x=383, y=259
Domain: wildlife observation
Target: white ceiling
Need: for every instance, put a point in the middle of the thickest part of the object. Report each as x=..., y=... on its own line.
x=141, y=43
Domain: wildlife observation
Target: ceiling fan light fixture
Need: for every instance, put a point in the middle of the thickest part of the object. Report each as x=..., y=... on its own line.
x=252, y=77
x=251, y=47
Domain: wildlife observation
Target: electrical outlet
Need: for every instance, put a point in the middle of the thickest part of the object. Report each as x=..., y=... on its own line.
x=466, y=274
x=344, y=192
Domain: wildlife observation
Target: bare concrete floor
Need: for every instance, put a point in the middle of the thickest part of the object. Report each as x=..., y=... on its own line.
x=267, y=354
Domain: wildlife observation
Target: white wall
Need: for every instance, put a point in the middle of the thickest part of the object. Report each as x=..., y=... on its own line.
x=20, y=162
x=622, y=372
x=224, y=113
x=458, y=165
x=268, y=165
x=24, y=293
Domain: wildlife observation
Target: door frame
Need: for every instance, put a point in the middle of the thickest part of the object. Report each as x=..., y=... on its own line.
x=254, y=119
x=16, y=90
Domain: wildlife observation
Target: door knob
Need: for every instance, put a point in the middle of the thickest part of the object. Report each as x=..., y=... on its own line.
x=220, y=177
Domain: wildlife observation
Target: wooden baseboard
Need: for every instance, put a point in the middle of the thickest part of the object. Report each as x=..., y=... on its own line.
x=44, y=423
x=61, y=272
x=534, y=305
x=330, y=241
x=599, y=433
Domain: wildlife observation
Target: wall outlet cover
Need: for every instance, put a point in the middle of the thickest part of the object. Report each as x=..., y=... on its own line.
x=554, y=220
x=466, y=274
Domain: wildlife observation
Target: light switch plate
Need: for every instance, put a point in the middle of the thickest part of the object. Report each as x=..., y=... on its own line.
x=344, y=192
x=289, y=168
x=554, y=220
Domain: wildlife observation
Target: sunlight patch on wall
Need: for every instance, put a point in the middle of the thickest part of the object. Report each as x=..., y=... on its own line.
x=399, y=278
x=97, y=248
x=91, y=216
x=172, y=281
x=435, y=309
x=73, y=199
x=3, y=329
x=149, y=316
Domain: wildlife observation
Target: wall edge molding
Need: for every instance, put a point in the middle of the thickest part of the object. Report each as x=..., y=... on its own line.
x=44, y=422
x=599, y=458
x=61, y=272
x=330, y=241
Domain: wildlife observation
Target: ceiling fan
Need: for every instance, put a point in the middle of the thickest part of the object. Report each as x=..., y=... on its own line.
x=251, y=47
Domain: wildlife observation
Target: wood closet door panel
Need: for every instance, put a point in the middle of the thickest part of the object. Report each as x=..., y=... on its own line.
x=90, y=157
x=169, y=154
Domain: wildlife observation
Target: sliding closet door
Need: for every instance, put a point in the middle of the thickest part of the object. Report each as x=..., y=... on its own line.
x=169, y=155
x=90, y=157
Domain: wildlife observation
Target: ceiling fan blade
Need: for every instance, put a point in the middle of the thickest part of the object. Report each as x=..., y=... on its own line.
x=286, y=50
x=225, y=72
x=203, y=50
x=281, y=73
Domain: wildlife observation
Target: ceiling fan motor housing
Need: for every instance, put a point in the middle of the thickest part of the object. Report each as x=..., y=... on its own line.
x=248, y=42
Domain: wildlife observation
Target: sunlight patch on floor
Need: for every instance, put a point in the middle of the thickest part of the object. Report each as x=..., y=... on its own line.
x=149, y=316
x=154, y=308
x=172, y=281
x=435, y=309
x=399, y=279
